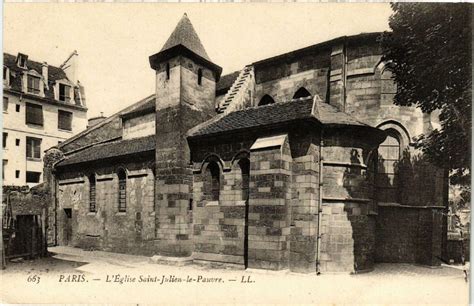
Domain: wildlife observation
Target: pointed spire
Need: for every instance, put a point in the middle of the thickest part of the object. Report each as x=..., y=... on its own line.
x=185, y=35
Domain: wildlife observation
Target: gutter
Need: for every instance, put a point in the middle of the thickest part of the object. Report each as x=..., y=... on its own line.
x=321, y=159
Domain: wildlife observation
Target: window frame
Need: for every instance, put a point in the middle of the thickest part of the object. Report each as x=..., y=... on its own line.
x=29, y=114
x=67, y=98
x=68, y=126
x=34, y=91
x=34, y=150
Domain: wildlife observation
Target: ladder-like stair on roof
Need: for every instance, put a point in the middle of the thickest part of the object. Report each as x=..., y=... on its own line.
x=237, y=92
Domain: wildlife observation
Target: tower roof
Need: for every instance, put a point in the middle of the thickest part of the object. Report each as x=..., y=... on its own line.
x=184, y=34
x=184, y=41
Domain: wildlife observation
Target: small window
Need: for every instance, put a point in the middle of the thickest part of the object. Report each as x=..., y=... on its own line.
x=266, y=99
x=244, y=165
x=64, y=93
x=21, y=60
x=33, y=177
x=167, y=71
x=17, y=173
x=301, y=93
x=92, y=202
x=64, y=120
x=33, y=147
x=33, y=85
x=212, y=182
x=122, y=188
x=17, y=108
x=17, y=142
x=4, y=140
x=5, y=104
x=199, y=76
x=5, y=73
x=34, y=114
x=387, y=168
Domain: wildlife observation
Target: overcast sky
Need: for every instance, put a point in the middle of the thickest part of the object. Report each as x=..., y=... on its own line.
x=115, y=40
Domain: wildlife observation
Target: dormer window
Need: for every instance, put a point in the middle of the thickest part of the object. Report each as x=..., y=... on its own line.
x=33, y=84
x=64, y=93
x=21, y=60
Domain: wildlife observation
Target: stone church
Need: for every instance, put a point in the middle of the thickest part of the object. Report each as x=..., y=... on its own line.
x=299, y=161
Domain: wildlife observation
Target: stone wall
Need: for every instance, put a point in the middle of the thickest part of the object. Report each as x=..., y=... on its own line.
x=107, y=229
x=347, y=227
x=409, y=235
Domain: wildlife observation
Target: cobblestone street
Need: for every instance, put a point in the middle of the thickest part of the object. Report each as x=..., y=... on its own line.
x=141, y=281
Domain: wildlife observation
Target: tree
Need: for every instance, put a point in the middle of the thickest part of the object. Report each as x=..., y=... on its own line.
x=429, y=50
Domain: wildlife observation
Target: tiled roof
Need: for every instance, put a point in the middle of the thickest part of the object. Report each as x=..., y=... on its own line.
x=184, y=34
x=277, y=113
x=110, y=149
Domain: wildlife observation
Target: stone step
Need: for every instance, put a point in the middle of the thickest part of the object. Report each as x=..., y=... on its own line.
x=171, y=261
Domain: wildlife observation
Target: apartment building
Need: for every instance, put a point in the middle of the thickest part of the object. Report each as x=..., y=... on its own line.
x=43, y=105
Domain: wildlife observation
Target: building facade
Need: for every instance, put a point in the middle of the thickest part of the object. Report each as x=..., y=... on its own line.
x=43, y=105
x=300, y=161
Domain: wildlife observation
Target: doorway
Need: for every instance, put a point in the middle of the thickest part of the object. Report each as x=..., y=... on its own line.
x=67, y=234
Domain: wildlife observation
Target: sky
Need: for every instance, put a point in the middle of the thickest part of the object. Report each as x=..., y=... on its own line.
x=115, y=40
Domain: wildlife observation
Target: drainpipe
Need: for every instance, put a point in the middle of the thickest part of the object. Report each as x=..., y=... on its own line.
x=318, y=250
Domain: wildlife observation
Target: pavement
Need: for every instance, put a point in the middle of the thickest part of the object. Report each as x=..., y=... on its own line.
x=73, y=275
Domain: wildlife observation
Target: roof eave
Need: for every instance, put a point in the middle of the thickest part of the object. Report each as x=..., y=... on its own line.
x=167, y=54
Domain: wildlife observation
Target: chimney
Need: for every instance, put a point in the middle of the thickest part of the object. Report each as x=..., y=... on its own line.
x=44, y=72
x=70, y=67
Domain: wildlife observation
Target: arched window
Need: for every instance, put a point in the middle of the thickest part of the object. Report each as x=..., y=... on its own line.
x=92, y=193
x=265, y=100
x=301, y=93
x=244, y=165
x=122, y=190
x=212, y=183
x=387, y=172
x=167, y=71
x=199, y=76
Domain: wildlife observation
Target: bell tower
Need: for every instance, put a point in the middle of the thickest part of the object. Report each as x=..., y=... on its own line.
x=185, y=95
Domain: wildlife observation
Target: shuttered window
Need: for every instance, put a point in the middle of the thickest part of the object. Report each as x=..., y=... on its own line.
x=33, y=147
x=64, y=120
x=33, y=84
x=34, y=114
x=122, y=194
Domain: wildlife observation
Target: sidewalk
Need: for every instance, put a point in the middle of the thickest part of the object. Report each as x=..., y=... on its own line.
x=115, y=278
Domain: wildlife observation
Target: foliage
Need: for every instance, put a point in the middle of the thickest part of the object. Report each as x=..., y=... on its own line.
x=429, y=51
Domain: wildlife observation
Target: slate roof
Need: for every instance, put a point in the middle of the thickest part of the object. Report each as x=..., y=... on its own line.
x=54, y=74
x=184, y=34
x=110, y=149
x=272, y=114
